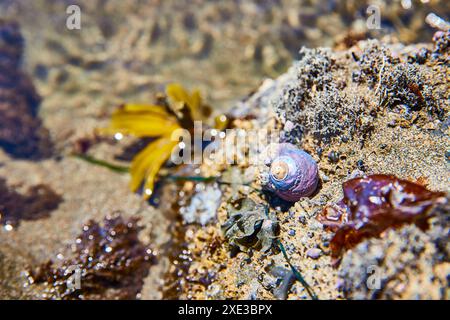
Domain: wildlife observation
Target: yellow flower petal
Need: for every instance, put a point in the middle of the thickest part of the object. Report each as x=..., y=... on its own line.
x=130, y=107
x=141, y=120
x=196, y=99
x=159, y=157
x=147, y=163
x=178, y=95
x=141, y=162
x=221, y=122
x=142, y=124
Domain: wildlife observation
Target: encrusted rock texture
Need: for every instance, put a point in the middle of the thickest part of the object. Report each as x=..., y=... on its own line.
x=403, y=264
x=374, y=107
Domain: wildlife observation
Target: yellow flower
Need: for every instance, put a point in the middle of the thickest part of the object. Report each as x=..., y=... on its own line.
x=158, y=122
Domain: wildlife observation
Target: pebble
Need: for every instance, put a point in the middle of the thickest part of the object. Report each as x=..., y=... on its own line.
x=360, y=165
x=319, y=151
x=291, y=232
x=315, y=226
x=289, y=126
x=333, y=157
x=290, y=248
x=325, y=178
x=302, y=220
x=314, y=253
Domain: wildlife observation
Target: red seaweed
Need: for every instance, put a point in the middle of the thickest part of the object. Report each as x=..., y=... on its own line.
x=373, y=204
x=38, y=202
x=111, y=260
x=22, y=134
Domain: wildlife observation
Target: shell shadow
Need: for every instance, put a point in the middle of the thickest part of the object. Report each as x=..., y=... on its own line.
x=276, y=202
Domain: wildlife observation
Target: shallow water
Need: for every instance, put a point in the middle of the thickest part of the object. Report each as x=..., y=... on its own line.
x=225, y=48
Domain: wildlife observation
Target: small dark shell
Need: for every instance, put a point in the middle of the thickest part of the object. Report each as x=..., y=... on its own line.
x=293, y=172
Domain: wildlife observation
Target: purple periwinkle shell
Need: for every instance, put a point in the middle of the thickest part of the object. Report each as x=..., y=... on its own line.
x=293, y=172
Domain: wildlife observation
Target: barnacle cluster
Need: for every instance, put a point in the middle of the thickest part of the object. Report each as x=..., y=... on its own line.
x=251, y=226
x=314, y=103
x=178, y=110
x=397, y=82
x=323, y=104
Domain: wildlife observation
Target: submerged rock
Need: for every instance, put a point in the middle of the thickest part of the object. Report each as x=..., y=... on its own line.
x=39, y=201
x=21, y=132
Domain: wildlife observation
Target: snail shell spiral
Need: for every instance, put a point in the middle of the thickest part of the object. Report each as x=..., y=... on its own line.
x=293, y=173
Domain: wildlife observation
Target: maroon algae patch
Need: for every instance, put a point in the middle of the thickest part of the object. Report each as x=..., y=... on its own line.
x=373, y=204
